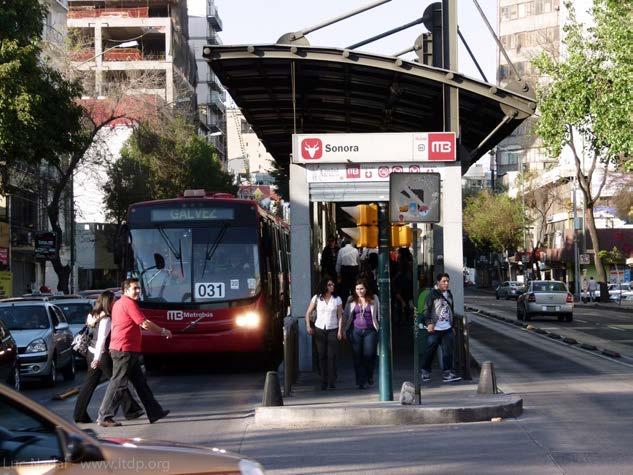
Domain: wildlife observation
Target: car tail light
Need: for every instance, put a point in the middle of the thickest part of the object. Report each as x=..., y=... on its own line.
x=570, y=298
x=531, y=298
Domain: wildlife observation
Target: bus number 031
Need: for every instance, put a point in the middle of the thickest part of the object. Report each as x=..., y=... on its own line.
x=209, y=290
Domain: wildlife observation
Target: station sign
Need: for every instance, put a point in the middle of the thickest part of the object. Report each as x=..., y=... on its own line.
x=361, y=172
x=373, y=148
x=414, y=198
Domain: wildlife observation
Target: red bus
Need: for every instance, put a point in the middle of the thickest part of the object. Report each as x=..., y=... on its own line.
x=213, y=269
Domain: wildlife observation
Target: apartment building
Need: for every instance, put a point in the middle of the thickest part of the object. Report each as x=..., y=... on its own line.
x=247, y=159
x=526, y=28
x=139, y=51
x=204, y=27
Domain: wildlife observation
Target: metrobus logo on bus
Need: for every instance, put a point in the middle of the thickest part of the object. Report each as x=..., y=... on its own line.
x=178, y=315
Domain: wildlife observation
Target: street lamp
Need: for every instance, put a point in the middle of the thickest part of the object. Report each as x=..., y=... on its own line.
x=126, y=44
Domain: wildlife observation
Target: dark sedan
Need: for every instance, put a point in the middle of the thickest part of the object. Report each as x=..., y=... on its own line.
x=9, y=367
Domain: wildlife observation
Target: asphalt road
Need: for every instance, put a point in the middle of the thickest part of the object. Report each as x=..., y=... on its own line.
x=576, y=412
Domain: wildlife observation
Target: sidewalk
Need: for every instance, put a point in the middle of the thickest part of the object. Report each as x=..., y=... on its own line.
x=309, y=406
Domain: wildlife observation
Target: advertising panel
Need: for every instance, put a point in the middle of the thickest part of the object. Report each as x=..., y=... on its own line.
x=6, y=284
x=45, y=245
x=414, y=198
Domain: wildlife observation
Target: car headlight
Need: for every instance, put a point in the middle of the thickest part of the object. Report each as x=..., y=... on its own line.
x=36, y=346
x=250, y=467
x=248, y=320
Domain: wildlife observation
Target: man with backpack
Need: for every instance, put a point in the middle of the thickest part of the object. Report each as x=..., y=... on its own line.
x=438, y=319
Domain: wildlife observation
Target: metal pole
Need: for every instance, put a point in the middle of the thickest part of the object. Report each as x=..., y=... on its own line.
x=310, y=29
x=576, y=256
x=384, y=362
x=416, y=328
x=386, y=33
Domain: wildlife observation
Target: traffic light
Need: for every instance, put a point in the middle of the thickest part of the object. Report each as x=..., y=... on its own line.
x=366, y=231
x=401, y=235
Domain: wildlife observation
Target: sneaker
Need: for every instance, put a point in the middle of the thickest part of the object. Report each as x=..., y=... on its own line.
x=425, y=375
x=450, y=378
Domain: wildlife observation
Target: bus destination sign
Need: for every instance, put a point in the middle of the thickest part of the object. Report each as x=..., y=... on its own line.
x=191, y=214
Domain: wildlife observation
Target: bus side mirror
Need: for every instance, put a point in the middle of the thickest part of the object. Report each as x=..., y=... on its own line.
x=159, y=261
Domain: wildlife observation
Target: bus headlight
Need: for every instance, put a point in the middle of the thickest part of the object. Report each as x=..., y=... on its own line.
x=248, y=320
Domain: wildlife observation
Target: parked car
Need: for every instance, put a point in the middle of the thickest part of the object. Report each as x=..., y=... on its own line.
x=9, y=367
x=546, y=297
x=620, y=291
x=43, y=337
x=75, y=308
x=509, y=289
x=34, y=439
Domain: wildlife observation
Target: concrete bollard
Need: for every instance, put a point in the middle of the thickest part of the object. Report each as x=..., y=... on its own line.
x=407, y=393
x=487, y=379
x=272, y=391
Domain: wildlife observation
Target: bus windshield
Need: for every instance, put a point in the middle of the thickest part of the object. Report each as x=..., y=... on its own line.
x=201, y=264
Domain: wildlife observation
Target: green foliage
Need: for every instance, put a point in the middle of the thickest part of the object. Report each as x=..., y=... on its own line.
x=160, y=163
x=493, y=221
x=590, y=90
x=39, y=118
x=611, y=257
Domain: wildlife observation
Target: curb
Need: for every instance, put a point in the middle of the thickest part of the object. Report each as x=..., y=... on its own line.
x=484, y=408
x=553, y=336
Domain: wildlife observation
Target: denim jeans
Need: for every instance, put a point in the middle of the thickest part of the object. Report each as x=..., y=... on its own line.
x=443, y=338
x=327, y=348
x=364, y=345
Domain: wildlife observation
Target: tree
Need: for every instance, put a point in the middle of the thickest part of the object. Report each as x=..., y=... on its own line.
x=623, y=202
x=31, y=93
x=586, y=103
x=493, y=221
x=161, y=162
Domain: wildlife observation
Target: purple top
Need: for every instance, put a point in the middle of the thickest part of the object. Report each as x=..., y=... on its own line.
x=362, y=320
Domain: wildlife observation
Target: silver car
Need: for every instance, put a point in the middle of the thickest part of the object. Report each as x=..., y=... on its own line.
x=509, y=289
x=43, y=337
x=546, y=297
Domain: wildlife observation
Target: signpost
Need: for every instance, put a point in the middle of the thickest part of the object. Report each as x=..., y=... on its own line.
x=415, y=198
x=45, y=245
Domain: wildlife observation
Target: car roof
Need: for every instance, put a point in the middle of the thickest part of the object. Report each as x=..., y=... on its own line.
x=23, y=302
x=73, y=300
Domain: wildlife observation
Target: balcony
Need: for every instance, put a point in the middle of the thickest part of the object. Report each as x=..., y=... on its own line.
x=214, y=123
x=93, y=12
x=213, y=17
x=216, y=101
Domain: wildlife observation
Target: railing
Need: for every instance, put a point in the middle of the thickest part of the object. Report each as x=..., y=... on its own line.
x=213, y=17
x=291, y=354
x=92, y=12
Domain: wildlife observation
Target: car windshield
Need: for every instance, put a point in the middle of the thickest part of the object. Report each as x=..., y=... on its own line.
x=200, y=264
x=75, y=312
x=25, y=317
x=549, y=287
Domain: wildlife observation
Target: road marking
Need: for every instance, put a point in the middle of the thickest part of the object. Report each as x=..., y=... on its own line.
x=616, y=328
x=581, y=321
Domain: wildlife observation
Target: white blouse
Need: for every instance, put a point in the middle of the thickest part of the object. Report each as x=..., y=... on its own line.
x=327, y=312
x=103, y=330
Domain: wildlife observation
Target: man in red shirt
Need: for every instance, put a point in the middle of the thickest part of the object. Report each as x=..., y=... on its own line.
x=125, y=349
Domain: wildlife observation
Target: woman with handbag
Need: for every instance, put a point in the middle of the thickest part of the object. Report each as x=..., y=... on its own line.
x=100, y=362
x=362, y=320
x=327, y=331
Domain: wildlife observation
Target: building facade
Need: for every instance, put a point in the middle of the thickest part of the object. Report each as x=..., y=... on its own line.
x=204, y=27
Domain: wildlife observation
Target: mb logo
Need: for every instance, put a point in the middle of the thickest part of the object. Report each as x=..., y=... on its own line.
x=175, y=315
x=442, y=146
x=311, y=149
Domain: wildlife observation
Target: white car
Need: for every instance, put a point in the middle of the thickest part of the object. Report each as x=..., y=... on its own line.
x=620, y=291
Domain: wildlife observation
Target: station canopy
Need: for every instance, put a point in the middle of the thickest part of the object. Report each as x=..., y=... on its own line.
x=281, y=89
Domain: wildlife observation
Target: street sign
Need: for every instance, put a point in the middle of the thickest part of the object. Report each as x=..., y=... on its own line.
x=414, y=197
x=585, y=259
x=366, y=172
x=45, y=247
x=372, y=148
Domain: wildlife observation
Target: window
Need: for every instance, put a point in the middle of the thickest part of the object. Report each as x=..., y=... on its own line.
x=25, y=438
x=53, y=316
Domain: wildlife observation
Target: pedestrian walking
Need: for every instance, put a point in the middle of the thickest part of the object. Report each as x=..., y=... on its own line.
x=362, y=321
x=100, y=363
x=328, y=259
x=438, y=318
x=125, y=349
x=585, y=290
x=347, y=262
x=592, y=286
x=327, y=331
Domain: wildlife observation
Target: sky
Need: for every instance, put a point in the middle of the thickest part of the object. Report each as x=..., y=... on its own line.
x=262, y=22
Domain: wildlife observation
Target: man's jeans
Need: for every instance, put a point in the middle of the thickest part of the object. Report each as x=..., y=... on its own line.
x=127, y=367
x=443, y=338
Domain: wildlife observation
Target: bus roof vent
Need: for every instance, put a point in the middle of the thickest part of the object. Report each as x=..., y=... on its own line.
x=195, y=194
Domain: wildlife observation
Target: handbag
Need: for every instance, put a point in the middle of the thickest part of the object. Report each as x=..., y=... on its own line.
x=82, y=340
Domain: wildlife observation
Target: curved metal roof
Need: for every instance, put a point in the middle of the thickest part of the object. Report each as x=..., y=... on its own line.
x=283, y=88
